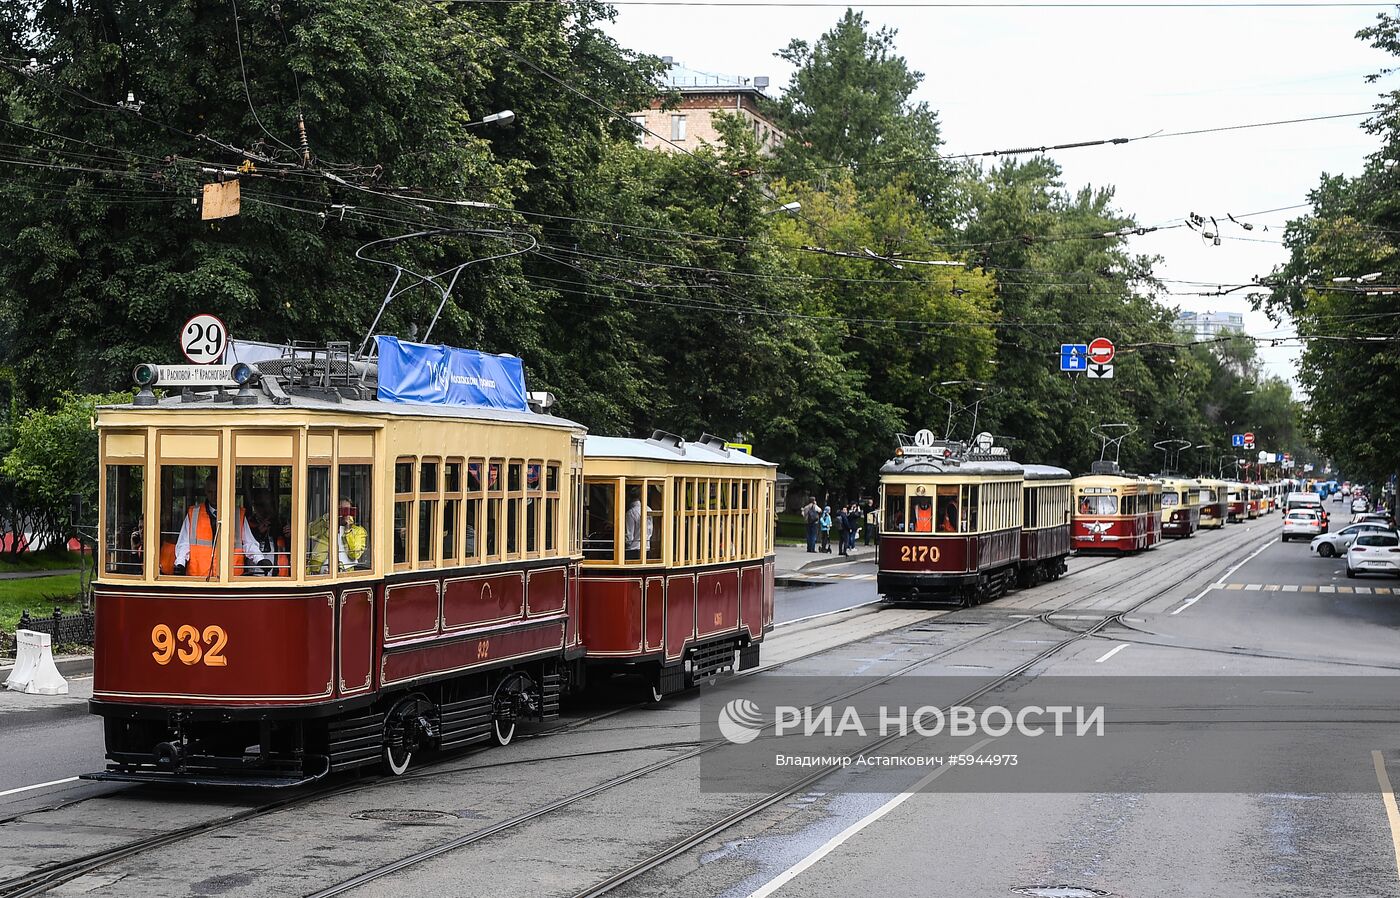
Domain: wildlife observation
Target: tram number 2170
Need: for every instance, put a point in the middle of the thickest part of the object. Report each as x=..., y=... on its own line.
x=918, y=553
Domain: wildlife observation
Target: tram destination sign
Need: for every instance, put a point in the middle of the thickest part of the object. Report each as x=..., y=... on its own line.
x=196, y=375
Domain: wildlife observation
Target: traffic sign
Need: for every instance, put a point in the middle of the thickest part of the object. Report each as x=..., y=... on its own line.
x=1249, y=437
x=1101, y=351
x=1101, y=372
x=1249, y=444
x=203, y=339
x=1236, y=439
x=1074, y=356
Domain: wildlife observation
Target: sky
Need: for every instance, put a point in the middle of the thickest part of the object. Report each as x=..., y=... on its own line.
x=1012, y=77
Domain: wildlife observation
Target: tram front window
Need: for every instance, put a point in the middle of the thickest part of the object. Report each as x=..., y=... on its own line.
x=124, y=531
x=921, y=513
x=599, y=526
x=263, y=521
x=1098, y=505
x=189, y=520
x=355, y=551
x=1170, y=499
x=947, y=509
x=894, y=509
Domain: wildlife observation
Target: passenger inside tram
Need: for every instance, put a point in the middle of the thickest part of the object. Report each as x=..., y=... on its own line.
x=921, y=509
x=947, y=515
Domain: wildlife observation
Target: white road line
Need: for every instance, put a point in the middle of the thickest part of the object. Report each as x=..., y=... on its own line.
x=837, y=840
x=798, y=620
x=1111, y=652
x=71, y=779
x=1221, y=582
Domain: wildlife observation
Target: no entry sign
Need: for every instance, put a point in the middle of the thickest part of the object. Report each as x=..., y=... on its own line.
x=1101, y=351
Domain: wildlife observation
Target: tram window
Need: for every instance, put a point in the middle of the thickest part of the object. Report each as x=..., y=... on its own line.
x=1169, y=499
x=474, y=475
x=971, y=506
x=655, y=501
x=355, y=549
x=514, y=484
x=921, y=511
x=551, y=507
x=513, y=501
x=1093, y=505
x=318, y=516
x=262, y=520
x=123, y=531
x=427, y=529
x=893, y=518
x=947, y=509
x=551, y=478
x=403, y=477
x=189, y=499
x=428, y=476
x=452, y=477
x=600, y=528
x=493, y=526
x=473, y=517
x=451, y=508
x=1029, y=508
x=534, y=485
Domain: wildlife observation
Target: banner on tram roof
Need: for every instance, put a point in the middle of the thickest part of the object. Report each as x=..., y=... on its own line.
x=446, y=375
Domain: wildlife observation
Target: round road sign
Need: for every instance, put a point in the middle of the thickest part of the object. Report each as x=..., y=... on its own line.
x=203, y=339
x=1101, y=351
x=1249, y=437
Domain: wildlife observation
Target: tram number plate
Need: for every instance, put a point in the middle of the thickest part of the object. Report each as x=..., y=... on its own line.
x=483, y=650
x=918, y=553
x=188, y=643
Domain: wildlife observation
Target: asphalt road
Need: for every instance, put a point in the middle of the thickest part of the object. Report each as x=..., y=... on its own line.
x=1232, y=604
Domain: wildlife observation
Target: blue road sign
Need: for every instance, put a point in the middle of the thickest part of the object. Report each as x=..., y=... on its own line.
x=1074, y=356
x=1236, y=439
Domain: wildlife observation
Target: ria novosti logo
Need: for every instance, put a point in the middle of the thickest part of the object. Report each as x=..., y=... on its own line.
x=740, y=721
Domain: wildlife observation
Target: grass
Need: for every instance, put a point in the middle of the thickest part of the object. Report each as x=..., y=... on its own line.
x=38, y=595
x=39, y=561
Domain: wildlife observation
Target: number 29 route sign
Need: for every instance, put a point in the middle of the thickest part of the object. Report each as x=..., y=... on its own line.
x=203, y=339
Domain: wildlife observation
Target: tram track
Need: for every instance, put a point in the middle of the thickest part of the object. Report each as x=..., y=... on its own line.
x=41, y=880
x=691, y=841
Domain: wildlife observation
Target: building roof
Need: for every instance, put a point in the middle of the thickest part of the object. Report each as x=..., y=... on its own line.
x=688, y=80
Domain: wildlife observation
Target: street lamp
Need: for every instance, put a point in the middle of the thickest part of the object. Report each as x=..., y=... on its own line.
x=502, y=118
x=791, y=208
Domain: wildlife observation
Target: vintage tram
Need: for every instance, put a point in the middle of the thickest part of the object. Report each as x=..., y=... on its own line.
x=677, y=572
x=1214, y=501
x=1045, y=524
x=1237, y=499
x=1116, y=512
x=1181, y=507
x=346, y=562
x=950, y=521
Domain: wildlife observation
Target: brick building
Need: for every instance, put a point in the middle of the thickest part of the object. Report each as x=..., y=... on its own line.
x=703, y=95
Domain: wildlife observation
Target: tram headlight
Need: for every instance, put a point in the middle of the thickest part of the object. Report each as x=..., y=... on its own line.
x=145, y=376
x=241, y=373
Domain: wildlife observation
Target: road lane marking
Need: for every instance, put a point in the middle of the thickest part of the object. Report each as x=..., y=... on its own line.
x=1253, y=587
x=71, y=779
x=1235, y=586
x=1392, y=813
x=1111, y=652
x=1343, y=589
x=1271, y=587
x=1327, y=589
x=1309, y=589
x=1290, y=587
x=1363, y=590
x=1197, y=597
x=840, y=838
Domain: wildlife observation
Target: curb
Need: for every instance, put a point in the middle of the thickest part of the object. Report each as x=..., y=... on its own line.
x=72, y=666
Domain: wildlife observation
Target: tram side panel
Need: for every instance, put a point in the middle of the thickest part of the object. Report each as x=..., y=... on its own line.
x=914, y=566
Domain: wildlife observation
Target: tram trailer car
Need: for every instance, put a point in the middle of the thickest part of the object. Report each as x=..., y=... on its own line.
x=1181, y=508
x=1116, y=512
x=677, y=572
x=951, y=522
x=1045, y=525
x=1238, y=501
x=1215, y=503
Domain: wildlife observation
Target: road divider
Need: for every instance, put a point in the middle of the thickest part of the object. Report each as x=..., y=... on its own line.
x=34, y=672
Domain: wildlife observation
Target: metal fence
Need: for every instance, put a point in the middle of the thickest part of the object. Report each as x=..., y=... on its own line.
x=66, y=629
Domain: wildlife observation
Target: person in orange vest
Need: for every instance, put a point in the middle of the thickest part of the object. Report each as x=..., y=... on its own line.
x=194, y=550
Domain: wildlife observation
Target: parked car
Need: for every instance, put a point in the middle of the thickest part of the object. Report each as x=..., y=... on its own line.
x=1330, y=545
x=1374, y=553
x=1375, y=517
x=1302, y=523
x=1359, y=505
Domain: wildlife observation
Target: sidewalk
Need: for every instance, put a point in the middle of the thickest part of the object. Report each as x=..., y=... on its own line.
x=30, y=575
x=795, y=564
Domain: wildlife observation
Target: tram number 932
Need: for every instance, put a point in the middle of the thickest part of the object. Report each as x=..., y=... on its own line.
x=919, y=553
x=187, y=643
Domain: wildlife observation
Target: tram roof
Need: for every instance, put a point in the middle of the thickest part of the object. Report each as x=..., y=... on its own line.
x=672, y=451
x=367, y=407
x=930, y=466
x=1045, y=472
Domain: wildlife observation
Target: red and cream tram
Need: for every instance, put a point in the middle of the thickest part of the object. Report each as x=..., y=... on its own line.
x=351, y=561
x=1045, y=525
x=1238, y=498
x=1181, y=508
x=950, y=523
x=1116, y=512
x=677, y=558
x=1215, y=504
x=1255, y=494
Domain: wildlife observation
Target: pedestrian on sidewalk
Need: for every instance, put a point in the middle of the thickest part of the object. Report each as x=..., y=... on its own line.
x=857, y=524
x=825, y=523
x=843, y=529
x=872, y=526
x=811, y=516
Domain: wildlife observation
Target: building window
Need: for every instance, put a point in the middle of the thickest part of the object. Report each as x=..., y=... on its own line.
x=639, y=124
x=678, y=127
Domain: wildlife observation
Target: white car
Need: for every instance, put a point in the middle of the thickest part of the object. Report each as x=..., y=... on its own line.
x=1301, y=523
x=1330, y=545
x=1360, y=506
x=1374, y=553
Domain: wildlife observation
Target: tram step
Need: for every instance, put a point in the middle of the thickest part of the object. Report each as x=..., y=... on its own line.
x=748, y=656
x=465, y=721
x=707, y=659
x=550, y=691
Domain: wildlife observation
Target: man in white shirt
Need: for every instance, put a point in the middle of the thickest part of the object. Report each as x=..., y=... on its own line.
x=204, y=534
x=632, y=532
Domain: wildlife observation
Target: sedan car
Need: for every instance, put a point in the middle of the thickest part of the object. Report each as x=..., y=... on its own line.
x=1374, y=553
x=1301, y=523
x=1330, y=545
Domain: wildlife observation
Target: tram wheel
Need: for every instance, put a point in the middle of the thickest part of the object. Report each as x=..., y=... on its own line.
x=502, y=732
x=511, y=695
x=406, y=729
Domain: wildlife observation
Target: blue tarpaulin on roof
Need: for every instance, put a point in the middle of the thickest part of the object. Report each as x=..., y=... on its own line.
x=445, y=375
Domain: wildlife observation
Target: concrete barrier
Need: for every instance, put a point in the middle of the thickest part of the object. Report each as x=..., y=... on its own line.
x=35, y=673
